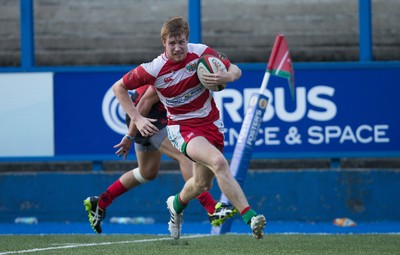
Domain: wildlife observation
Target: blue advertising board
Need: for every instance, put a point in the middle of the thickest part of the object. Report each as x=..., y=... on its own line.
x=342, y=112
x=81, y=128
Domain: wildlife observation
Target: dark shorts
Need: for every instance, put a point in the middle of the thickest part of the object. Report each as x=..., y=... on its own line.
x=152, y=143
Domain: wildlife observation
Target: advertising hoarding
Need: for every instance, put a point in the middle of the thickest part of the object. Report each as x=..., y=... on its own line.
x=338, y=111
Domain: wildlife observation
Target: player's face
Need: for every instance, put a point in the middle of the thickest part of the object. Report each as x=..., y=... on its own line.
x=176, y=47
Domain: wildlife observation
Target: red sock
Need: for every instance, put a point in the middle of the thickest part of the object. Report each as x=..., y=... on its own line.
x=207, y=201
x=113, y=191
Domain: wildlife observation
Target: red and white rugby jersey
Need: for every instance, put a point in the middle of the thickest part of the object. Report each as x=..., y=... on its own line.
x=186, y=100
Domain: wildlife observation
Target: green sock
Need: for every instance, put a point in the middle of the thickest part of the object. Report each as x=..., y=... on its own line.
x=177, y=205
x=248, y=215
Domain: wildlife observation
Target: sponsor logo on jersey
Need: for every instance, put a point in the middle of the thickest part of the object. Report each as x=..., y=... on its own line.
x=191, y=67
x=168, y=79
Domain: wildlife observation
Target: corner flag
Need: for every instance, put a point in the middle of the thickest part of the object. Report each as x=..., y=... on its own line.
x=280, y=63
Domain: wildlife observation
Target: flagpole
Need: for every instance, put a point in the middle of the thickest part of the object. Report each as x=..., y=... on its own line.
x=264, y=82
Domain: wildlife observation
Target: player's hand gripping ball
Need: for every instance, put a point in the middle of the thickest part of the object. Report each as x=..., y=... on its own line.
x=210, y=64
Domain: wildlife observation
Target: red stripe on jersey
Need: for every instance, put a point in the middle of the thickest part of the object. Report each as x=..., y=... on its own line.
x=192, y=56
x=180, y=87
x=196, y=104
x=210, y=118
x=137, y=77
x=170, y=66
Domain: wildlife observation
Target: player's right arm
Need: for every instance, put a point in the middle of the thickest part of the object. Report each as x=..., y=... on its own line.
x=146, y=102
x=144, y=125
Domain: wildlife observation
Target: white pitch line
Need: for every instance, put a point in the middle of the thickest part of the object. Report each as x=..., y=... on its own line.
x=96, y=244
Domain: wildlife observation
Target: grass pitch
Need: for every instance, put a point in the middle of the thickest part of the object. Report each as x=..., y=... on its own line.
x=200, y=244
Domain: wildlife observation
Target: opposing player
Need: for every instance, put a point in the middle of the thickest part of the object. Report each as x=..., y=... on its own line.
x=148, y=152
x=194, y=125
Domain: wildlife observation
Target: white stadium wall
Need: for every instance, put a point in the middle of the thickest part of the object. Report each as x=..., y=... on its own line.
x=26, y=113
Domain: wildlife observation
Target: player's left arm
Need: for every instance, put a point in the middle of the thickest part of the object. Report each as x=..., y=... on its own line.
x=234, y=72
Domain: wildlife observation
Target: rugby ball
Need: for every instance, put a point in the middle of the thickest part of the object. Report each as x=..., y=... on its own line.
x=210, y=64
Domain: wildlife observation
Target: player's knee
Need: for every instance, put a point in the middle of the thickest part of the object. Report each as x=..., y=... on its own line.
x=143, y=179
x=203, y=186
x=219, y=165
